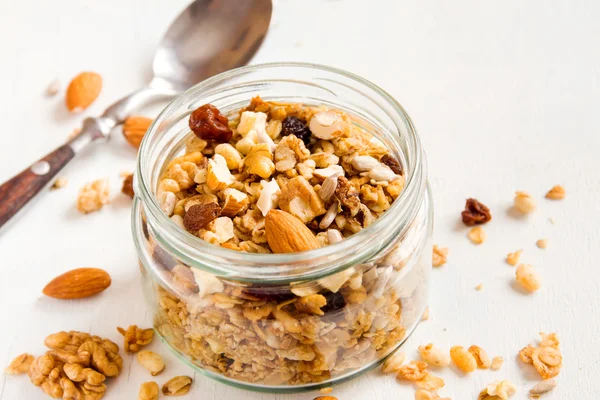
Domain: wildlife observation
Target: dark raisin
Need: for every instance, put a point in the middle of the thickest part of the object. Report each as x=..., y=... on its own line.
x=163, y=259
x=128, y=186
x=335, y=302
x=294, y=126
x=208, y=123
x=475, y=213
x=200, y=215
x=269, y=293
x=392, y=163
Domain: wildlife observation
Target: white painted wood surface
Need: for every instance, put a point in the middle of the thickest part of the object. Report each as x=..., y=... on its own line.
x=504, y=93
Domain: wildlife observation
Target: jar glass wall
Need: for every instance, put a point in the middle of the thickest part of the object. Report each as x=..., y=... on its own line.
x=257, y=320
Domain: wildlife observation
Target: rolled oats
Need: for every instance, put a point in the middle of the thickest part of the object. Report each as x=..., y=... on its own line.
x=393, y=363
x=430, y=382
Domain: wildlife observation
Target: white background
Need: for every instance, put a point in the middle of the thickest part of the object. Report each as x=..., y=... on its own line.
x=505, y=95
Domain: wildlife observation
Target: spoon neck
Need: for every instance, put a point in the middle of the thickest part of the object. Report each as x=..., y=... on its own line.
x=123, y=108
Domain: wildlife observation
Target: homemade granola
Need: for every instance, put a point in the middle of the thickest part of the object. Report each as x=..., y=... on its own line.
x=284, y=178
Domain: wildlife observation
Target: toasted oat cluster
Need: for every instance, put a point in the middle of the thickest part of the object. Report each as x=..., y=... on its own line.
x=310, y=162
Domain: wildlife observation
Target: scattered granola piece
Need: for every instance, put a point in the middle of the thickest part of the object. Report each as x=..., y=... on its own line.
x=477, y=235
x=463, y=359
x=434, y=356
x=59, y=183
x=413, y=371
x=393, y=363
x=440, y=255
x=546, y=358
x=542, y=243
x=481, y=356
x=556, y=193
x=513, y=258
x=53, y=88
x=93, y=196
x=528, y=277
x=325, y=398
x=543, y=387
x=479, y=287
x=524, y=202
x=430, y=382
x=475, y=213
x=135, y=338
x=19, y=365
x=151, y=361
x=326, y=390
x=499, y=390
x=148, y=391
x=127, y=187
x=422, y=394
x=497, y=363
x=177, y=386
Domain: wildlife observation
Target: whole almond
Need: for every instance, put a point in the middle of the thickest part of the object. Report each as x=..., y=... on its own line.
x=82, y=91
x=134, y=129
x=287, y=234
x=78, y=283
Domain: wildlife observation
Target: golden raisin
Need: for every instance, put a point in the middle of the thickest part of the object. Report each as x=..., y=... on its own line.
x=128, y=186
x=208, y=123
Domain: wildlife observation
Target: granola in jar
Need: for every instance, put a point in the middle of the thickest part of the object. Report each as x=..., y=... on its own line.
x=274, y=180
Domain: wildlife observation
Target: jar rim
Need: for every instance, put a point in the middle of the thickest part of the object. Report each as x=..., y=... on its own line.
x=198, y=253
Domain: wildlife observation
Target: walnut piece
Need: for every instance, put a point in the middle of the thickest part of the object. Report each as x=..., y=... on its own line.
x=300, y=199
x=19, y=365
x=289, y=152
x=259, y=161
x=135, y=338
x=177, y=386
x=93, y=196
x=348, y=196
x=475, y=213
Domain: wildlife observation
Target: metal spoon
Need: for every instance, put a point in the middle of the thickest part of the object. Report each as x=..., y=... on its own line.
x=208, y=37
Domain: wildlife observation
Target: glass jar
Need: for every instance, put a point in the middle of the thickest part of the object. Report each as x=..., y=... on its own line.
x=234, y=316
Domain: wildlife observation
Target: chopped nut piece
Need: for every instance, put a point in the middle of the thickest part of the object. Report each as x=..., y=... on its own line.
x=325, y=398
x=543, y=387
x=289, y=152
x=463, y=359
x=499, y=390
x=556, y=193
x=477, y=235
x=348, y=196
x=177, y=386
x=479, y=287
x=528, y=277
x=542, y=243
x=127, y=187
x=475, y=213
x=300, y=199
x=327, y=125
x=269, y=196
x=497, y=363
x=326, y=390
x=148, y=391
x=434, y=356
x=136, y=338
x=413, y=371
x=19, y=365
x=53, y=88
x=235, y=202
x=524, y=202
x=252, y=121
x=93, y=196
x=513, y=258
x=59, y=183
x=430, y=382
x=151, y=361
x=200, y=215
x=232, y=157
x=259, y=161
x=218, y=231
x=218, y=176
x=440, y=255
x=482, y=358
x=393, y=363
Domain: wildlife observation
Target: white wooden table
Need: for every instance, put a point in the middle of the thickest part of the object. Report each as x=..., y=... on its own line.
x=504, y=93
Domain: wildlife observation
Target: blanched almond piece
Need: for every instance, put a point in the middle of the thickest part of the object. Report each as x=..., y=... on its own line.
x=300, y=199
x=218, y=176
x=235, y=201
x=287, y=234
x=327, y=125
x=269, y=196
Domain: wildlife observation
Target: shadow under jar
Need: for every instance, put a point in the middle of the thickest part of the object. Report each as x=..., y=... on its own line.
x=232, y=315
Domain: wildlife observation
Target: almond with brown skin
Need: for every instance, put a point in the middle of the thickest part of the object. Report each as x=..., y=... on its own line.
x=82, y=91
x=287, y=234
x=134, y=129
x=78, y=283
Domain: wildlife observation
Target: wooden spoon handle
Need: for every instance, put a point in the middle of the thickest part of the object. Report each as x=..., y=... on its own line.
x=17, y=191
